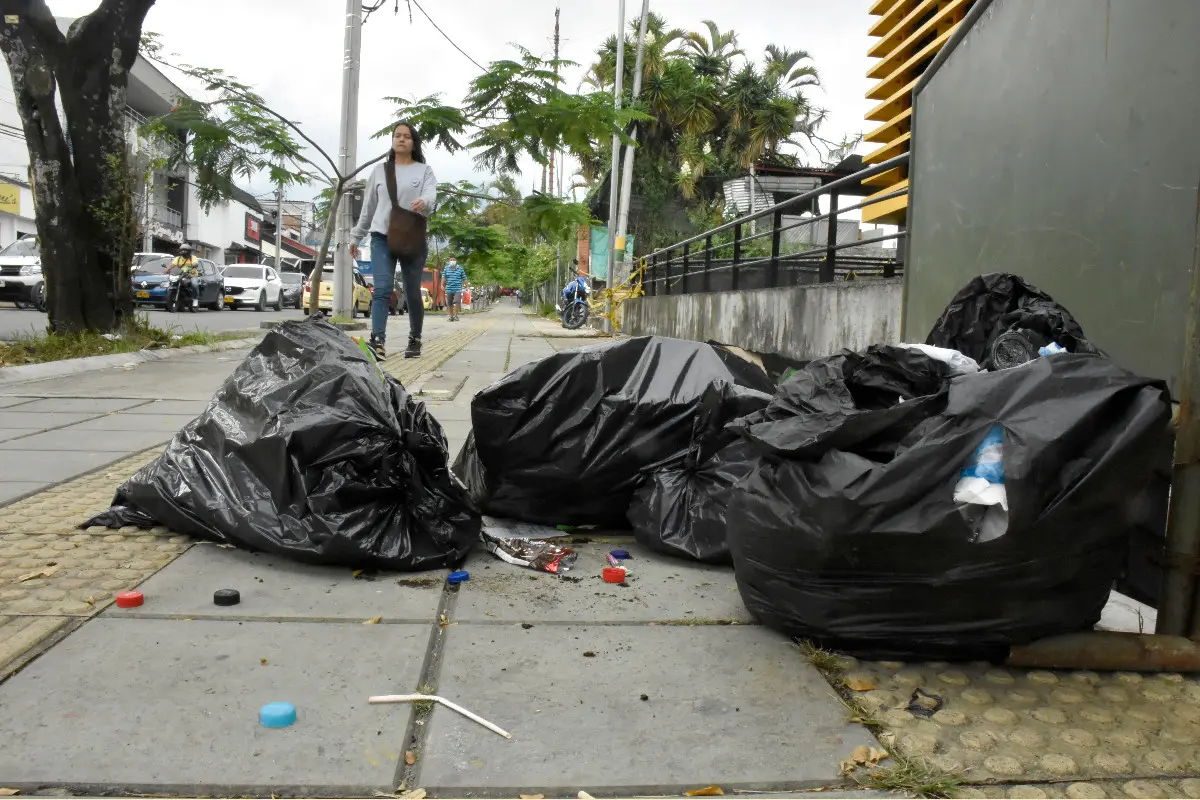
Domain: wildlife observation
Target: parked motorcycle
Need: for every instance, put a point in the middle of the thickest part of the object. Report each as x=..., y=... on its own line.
x=573, y=305
x=181, y=290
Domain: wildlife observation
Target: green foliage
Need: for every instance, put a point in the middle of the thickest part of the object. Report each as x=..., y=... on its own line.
x=435, y=122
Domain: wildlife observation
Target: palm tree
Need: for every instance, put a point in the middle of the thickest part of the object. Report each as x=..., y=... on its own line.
x=713, y=55
x=783, y=68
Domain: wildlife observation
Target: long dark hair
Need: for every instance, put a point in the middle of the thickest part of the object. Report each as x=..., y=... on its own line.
x=417, y=155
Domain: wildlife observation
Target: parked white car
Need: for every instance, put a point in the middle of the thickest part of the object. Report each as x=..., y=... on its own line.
x=252, y=285
x=21, y=281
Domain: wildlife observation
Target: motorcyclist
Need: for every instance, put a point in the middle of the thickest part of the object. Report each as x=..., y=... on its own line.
x=189, y=268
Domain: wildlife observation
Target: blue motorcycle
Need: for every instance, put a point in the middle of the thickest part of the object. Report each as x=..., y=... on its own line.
x=573, y=305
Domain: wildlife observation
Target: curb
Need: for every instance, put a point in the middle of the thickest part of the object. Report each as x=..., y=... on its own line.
x=75, y=366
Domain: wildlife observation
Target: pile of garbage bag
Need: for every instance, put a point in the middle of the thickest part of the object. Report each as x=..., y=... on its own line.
x=310, y=451
x=569, y=439
x=895, y=510
x=1002, y=321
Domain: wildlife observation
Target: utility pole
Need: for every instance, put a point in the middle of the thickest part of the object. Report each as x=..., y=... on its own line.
x=627, y=180
x=279, y=229
x=556, y=13
x=347, y=154
x=616, y=162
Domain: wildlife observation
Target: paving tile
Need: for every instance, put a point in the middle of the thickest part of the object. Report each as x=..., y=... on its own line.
x=1017, y=725
x=83, y=405
x=10, y=401
x=36, y=420
x=125, y=421
x=660, y=589
x=167, y=705
x=13, y=489
x=734, y=706
x=190, y=408
x=450, y=412
x=273, y=587
x=84, y=571
x=47, y=466
x=72, y=439
x=18, y=635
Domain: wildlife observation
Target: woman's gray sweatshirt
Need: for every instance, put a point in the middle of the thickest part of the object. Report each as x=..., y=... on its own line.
x=412, y=181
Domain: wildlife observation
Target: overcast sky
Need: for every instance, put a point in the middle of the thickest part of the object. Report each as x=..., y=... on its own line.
x=291, y=51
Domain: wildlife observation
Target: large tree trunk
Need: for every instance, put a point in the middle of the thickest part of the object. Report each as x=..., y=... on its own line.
x=82, y=192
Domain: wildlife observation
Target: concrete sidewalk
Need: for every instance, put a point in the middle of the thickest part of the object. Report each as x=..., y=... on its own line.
x=654, y=687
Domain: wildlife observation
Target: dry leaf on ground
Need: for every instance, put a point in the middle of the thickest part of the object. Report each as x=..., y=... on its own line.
x=410, y=757
x=876, y=755
x=414, y=794
x=263, y=661
x=373, y=621
x=707, y=791
x=44, y=572
x=860, y=754
x=860, y=684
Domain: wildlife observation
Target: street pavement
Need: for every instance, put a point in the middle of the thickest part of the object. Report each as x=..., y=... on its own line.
x=655, y=687
x=16, y=322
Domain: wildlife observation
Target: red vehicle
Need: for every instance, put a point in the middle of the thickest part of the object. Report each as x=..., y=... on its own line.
x=432, y=280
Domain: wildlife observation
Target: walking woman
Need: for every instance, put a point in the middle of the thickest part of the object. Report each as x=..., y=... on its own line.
x=400, y=196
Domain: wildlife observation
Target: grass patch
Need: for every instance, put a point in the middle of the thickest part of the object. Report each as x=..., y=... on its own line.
x=912, y=777
x=690, y=623
x=829, y=663
x=136, y=334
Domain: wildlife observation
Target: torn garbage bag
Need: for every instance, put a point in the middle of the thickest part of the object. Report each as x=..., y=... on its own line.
x=1001, y=321
x=991, y=510
x=680, y=509
x=568, y=439
x=308, y=450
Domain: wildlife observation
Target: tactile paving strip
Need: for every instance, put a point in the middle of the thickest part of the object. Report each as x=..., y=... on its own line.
x=1010, y=725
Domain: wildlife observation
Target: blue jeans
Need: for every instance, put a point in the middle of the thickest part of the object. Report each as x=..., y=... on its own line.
x=383, y=268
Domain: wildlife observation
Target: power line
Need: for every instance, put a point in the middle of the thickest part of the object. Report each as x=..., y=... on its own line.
x=447, y=37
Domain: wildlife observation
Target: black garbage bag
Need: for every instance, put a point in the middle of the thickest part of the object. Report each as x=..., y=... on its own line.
x=680, y=509
x=1001, y=321
x=308, y=450
x=848, y=531
x=568, y=439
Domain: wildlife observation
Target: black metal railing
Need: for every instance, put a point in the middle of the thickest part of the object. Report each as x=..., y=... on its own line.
x=752, y=259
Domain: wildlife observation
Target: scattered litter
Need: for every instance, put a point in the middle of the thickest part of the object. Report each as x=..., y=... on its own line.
x=44, y=572
x=504, y=528
x=262, y=661
x=924, y=704
x=373, y=620
x=443, y=621
x=613, y=574
x=589, y=654
x=131, y=599
x=956, y=361
x=91, y=601
x=621, y=554
x=458, y=577
x=872, y=479
x=410, y=757
x=1051, y=349
x=707, y=791
x=426, y=698
x=111, y=337
x=529, y=457
x=6, y=792
x=613, y=561
x=533, y=797
x=645, y=697
x=861, y=756
x=584, y=796
x=277, y=715
x=542, y=556
x=414, y=794
x=298, y=433
x=227, y=597
x=175, y=337
x=526, y=625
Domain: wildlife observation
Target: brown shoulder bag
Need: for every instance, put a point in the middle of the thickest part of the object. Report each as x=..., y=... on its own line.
x=406, y=229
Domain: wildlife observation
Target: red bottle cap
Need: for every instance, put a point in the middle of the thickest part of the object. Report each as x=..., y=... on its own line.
x=131, y=599
x=613, y=574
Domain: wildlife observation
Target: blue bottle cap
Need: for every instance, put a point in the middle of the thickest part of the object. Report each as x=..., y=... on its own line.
x=277, y=715
x=620, y=554
x=459, y=576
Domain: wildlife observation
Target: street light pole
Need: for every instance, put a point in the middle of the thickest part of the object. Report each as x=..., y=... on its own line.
x=614, y=169
x=279, y=229
x=347, y=153
x=627, y=166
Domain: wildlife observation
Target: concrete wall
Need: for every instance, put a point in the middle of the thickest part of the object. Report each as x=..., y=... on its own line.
x=800, y=322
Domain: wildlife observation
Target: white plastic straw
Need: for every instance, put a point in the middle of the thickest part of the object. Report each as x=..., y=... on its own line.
x=418, y=698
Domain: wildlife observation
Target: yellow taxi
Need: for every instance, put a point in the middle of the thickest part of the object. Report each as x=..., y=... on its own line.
x=362, y=293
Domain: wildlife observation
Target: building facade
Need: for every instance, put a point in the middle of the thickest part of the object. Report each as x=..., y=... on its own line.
x=908, y=34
